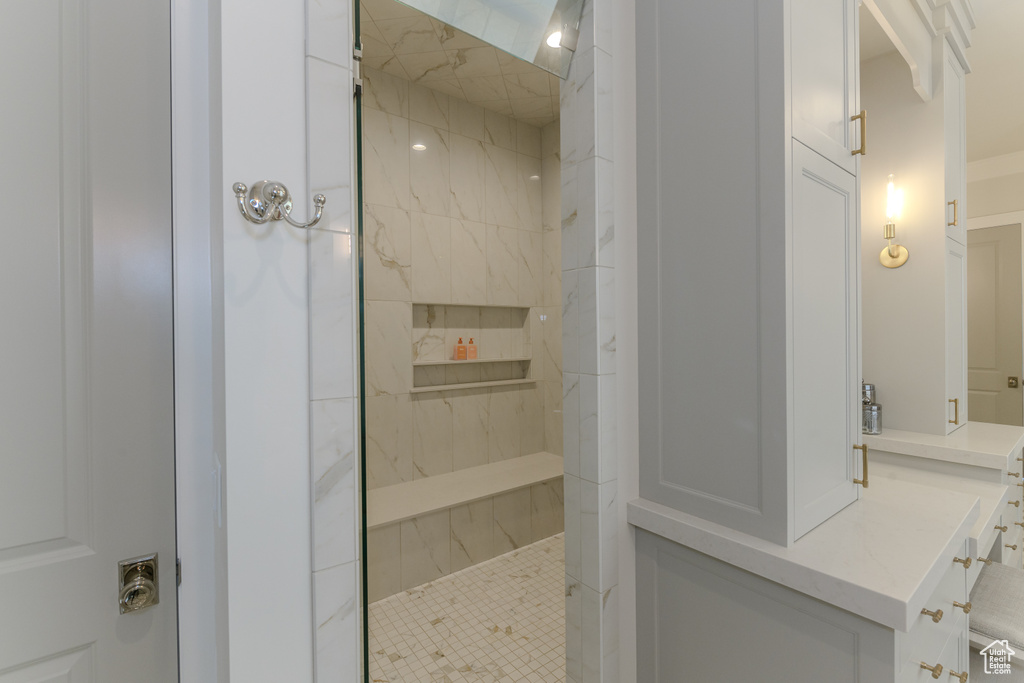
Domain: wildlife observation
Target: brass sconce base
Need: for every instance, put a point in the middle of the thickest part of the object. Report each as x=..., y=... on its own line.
x=889, y=261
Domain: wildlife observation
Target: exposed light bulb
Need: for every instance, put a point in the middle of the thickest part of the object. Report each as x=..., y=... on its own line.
x=418, y=147
x=893, y=201
x=555, y=39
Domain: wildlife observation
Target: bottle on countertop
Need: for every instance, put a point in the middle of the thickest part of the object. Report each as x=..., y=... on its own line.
x=460, y=350
x=471, y=350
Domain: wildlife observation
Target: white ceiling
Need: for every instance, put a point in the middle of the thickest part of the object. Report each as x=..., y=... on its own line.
x=995, y=86
x=406, y=43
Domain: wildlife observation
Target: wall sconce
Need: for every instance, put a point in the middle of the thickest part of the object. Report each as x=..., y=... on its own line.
x=894, y=255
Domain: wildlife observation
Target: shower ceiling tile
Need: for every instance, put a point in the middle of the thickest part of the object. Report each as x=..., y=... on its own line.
x=406, y=43
x=475, y=61
x=528, y=85
x=453, y=88
x=409, y=35
x=484, y=89
x=427, y=66
x=387, y=9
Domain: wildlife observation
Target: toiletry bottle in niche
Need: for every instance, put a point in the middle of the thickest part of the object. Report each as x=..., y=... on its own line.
x=471, y=350
x=460, y=350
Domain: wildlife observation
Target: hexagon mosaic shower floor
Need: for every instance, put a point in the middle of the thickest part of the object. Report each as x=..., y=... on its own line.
x=500, y=620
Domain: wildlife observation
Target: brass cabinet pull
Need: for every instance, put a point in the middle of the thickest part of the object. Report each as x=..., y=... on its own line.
x=863, y=116
x=985, y=561
x=864, y=452
x=954, y=203
x=966, y=607
x=1011, y=547
x=1020, y=459
x=966, y=563
x=1014, y=503
x=936, y=615
x=1020, y=524
x=936, y=670
x=1013, y=474
x=962, y=676
x=956, y=411
x=1004, y=529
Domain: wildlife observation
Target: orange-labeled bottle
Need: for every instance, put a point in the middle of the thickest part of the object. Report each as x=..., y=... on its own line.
x=471, y=350
x=460, y=350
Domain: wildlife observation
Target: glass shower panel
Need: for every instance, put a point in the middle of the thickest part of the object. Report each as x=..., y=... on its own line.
x=542, y=32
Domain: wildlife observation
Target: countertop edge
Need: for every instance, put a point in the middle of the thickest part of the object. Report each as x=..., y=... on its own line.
x=954, y=447
x=762, y=559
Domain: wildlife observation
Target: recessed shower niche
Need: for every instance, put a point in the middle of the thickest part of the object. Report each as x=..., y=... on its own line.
x=461, y=239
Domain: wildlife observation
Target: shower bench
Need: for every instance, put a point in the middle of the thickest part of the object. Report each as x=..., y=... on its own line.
x=399, y=502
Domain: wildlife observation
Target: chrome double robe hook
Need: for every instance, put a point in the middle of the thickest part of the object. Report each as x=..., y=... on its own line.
x=269, y=200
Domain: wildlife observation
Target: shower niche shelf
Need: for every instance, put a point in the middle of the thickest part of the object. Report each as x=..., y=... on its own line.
x=502, y=336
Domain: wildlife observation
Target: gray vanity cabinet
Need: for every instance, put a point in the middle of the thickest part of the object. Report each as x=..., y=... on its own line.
x=749, y=261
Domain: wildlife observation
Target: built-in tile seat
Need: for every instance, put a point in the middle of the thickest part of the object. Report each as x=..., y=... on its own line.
x=399, y=502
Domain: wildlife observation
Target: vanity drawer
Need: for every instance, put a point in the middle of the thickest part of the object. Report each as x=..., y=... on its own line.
x=927, y=637
x=950, y=657
x=987, y=552
x=1014, y=512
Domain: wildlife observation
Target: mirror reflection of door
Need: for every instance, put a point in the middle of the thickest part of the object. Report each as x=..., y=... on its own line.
x=994, y=354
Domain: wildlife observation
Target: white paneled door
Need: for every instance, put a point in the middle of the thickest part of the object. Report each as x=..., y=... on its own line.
x=86, y=394
x=994, y=325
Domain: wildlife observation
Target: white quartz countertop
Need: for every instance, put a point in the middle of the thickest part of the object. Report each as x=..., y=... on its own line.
x=976, y=443
x=880, y=558
x=992, y=496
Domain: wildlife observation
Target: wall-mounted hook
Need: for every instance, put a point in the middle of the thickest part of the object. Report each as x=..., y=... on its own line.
x=269, y=200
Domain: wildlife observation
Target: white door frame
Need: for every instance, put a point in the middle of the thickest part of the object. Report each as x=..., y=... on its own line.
x=997, y=220
x=202, y=541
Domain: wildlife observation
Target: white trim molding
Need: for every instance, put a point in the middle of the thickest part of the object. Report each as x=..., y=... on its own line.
x=995, y=167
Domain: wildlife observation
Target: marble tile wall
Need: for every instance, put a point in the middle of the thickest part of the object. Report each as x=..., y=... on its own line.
x=334, y=443
x=457, y=244
x=588, y=355
x=584, y=219
x=413, y=552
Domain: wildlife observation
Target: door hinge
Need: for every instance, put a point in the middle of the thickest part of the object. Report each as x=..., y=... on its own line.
x=177, y=569
x=357, y=80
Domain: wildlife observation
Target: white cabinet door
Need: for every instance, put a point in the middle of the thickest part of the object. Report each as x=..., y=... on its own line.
x=956, y=334
x=86, y=385
x=954, y=103
x=825, y=362
x=823, y=63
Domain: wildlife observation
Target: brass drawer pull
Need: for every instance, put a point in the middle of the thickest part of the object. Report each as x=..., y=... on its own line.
x=1004, y=529
x=936, y=615
x=864, y=453
x=1020, y=459
x=966, y=607
x=863, y=116
x=1011, y=547
x=985, y=561
x=966, y=563
x=962, y=676
x=956, y=411
x=1013, y=474
x=1020, y=524
x=936, y=670
x=954, y=203
x=1014, y=503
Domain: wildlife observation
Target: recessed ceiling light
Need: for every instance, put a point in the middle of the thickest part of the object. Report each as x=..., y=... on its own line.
x=555, y=39
x=418, y=147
